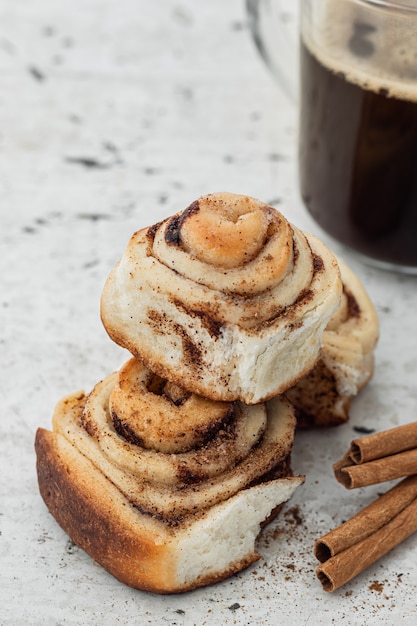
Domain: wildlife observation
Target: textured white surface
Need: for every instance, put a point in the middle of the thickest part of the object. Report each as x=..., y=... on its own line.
x=114, y=115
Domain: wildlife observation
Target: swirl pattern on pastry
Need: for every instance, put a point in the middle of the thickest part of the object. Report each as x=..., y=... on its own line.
x=176, y=421
x=221, y=295
x=346, y=363
x=132, y=438
x=241, y=448
x=251, y=241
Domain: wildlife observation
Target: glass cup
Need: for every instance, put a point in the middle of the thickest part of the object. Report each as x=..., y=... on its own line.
x=357, y=99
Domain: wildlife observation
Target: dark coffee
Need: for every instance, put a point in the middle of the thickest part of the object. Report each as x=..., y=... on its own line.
x=358, y=163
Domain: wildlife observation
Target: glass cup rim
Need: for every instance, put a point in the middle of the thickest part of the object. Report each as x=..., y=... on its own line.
x=405, y=6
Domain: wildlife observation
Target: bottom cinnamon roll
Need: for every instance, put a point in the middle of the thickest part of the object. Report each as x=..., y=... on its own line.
x=165, y=489
x=346, y=361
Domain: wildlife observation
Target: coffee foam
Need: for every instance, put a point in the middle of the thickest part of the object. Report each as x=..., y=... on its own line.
x=374, y=48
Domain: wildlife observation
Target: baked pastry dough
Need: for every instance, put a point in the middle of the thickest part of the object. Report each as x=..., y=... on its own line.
x=227, y=299
x=167, y=470
x=166, y=490
x=346, y=363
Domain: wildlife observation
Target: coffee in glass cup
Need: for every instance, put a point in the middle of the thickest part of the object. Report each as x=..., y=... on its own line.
x=357, y=103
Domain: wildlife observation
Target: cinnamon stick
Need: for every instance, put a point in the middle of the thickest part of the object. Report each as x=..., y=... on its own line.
x=385, y=443
x=352, y=475
x=368, y=520
x=380, y=457
x=358, y=543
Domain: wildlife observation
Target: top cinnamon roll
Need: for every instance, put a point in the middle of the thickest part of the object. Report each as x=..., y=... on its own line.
x=226, y=299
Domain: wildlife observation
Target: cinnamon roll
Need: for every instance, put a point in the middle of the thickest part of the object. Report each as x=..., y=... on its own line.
x=226, y=299
x=165, y=489
x=346, y=363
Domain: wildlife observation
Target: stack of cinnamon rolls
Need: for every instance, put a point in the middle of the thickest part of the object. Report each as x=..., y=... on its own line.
x=240, y=327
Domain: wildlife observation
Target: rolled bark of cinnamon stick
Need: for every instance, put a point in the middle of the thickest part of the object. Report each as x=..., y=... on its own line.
x=386, y=443
x=381, y=470
x=345, y=565
x=368, y=520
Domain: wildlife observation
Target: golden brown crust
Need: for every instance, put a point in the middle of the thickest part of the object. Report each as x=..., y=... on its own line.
x=104, y=524
x=90, y=511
